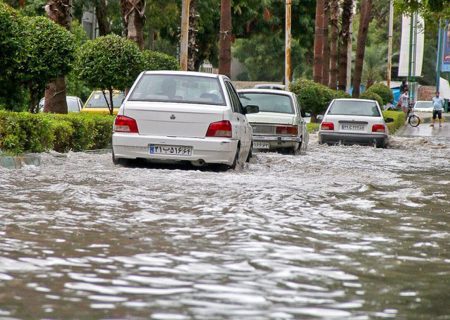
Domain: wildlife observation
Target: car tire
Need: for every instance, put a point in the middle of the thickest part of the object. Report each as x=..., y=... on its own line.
x=236, y=164
x=118, y=161
x=381, y=144
x=250, y=153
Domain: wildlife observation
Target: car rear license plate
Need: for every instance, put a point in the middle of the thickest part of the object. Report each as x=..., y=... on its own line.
x=353, y=127
x=261, y=145
x=170, y=150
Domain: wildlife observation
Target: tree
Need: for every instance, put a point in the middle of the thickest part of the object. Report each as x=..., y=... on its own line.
x=319, y=42
x=345, y=34
x=326, y=44
x=11, y=53
x=334, y=22
x=365, y=17
x=101, y=62
x=225, y=38
x=133, y=15
x=154, y=60
x=192, y=38
x=41, y=66
x=55, y=92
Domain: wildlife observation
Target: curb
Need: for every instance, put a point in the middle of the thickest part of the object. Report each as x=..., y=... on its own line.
x=18, y=162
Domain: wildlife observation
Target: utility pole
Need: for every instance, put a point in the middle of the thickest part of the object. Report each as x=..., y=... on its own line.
x=439, y=54
x=390, y=34
x=287, y=51
x=184, y=39
x=412, y=56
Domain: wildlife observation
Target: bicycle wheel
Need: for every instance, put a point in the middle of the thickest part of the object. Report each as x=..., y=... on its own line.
x=414, y=120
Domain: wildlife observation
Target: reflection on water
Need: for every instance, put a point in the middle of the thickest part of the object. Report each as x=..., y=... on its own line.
x=343, y=232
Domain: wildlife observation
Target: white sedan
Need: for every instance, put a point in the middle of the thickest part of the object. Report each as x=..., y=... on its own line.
x=423, y=106
x=176, y=116
x=354, y=121
x=279, y=125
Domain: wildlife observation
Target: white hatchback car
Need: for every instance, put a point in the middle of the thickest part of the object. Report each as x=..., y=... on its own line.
x=278, y=125
x=176, y=116
x=351, y=121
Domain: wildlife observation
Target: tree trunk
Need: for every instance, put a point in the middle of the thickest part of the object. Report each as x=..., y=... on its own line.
x=334, y=43
x=326, y=44
x=225, y=38
x=366, y=13
x=192, y=41
x=133, y=15
x=55, y=96
x=102, y=18
x=347, y=9
x=318, y=42
x=55, y=91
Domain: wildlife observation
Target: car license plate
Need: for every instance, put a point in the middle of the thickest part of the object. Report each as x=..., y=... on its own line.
x=261, y=145
x=170, y=150
x=353, y=127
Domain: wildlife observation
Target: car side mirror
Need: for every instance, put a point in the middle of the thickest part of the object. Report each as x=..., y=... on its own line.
x=389, y=120
x=319, y=117
x=251, y=109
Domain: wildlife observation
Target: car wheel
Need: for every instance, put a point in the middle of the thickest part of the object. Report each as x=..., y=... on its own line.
x=250, y=153
x=381, y=144
x=236, y=163
x=118, y=161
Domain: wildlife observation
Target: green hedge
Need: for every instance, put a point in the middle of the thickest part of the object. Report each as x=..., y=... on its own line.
x=372, y=96
x=22, y=132
x=399, y=120
x=383, y=91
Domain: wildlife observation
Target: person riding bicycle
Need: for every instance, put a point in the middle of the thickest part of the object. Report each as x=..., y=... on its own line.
x=404, y=99
x=438, y=106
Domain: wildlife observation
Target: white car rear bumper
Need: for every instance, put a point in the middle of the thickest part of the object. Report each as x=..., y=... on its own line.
x=209, y=150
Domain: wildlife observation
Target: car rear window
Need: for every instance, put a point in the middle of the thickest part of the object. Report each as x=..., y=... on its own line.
x=178, y=88
x=97, y=100
x=268, y=102
x=354, y=108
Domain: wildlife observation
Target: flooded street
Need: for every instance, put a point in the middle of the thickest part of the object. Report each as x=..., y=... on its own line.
x=343, y=232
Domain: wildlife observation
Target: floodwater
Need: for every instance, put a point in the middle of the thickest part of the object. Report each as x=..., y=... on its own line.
x=343, y=232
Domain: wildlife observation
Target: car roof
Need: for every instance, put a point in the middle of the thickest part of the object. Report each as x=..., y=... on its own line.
x=186, y=73
x=274, y=91
x=355, y=99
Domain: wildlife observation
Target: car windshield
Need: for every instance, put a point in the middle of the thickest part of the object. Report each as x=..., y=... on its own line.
x=268, y=102
x=178, y=88
x=424, y=104
x=354, y=108
x=97, y=100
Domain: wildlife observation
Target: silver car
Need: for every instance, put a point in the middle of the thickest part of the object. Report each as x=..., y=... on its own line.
x=279, y=125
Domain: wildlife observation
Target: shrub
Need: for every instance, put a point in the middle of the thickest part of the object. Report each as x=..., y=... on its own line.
x=372, y=96
x=383, y=91
x=26, y=132
x=154, y=60
x=399, y=120
x=314, y=97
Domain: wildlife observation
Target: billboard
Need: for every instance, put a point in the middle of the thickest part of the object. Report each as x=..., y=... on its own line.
x=446, y=50
x=417, y=41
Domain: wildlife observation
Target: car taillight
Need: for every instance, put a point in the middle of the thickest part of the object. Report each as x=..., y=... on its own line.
x=378, y=128
x=293, y=130
x=327, y=126
x=220, y=129
x=125, y=124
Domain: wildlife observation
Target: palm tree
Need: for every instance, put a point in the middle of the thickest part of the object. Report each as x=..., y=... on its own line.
x=345, y=34
x=133, y=16
x=55, y=91
x=365, y=17
x=318, y=42
x=225, y=38
x=192, y=41
x=374, y=64
x=326, y=44
x=334, y=21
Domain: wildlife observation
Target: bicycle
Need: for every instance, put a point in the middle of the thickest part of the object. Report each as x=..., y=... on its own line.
x=412, y=119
